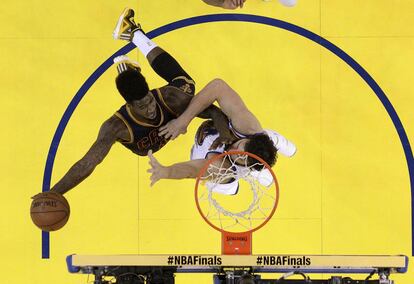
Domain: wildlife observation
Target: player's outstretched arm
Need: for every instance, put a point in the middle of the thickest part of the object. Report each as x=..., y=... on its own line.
x=84, y=167
x=189, y=169
x=226, y=4
x=230, y=103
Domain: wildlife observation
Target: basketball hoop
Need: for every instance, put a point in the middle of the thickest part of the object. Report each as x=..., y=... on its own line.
x=236, y=193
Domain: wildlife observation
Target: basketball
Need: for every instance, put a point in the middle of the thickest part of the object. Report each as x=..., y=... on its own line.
x=49, y=211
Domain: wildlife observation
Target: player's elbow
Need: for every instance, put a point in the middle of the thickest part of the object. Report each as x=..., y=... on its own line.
x=218, y=83
x=220, y=87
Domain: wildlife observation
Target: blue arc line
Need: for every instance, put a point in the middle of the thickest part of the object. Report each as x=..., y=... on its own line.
x=230, y=18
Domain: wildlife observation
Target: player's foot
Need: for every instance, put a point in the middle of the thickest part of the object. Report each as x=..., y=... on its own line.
x=283, y=146
x=123, y=63
x=126, y=26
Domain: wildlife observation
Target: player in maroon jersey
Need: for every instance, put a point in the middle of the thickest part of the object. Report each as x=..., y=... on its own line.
x=136, y=124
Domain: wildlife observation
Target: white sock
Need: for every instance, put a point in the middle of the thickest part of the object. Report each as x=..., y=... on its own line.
x=144, y=44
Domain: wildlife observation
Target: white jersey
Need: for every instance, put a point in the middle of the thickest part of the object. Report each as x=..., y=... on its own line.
x=207, y=135
x=201, y=150
x=201, y=147
x=204, y=138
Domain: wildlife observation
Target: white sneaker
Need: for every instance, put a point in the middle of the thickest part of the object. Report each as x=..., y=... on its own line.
x=124, y=62
x=283, y=146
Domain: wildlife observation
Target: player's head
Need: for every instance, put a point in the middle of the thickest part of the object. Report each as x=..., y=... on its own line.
x=132, y=85
x=262, y=146
x=259, y=144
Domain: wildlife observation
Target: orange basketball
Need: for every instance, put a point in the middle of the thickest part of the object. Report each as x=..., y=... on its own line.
x=49, y=211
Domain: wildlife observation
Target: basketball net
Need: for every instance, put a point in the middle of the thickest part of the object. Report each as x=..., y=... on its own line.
x=237, y=194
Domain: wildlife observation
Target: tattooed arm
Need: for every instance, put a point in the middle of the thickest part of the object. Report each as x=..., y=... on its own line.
x=110, y=131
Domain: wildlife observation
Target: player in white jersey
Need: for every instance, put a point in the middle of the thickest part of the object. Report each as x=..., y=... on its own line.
x=202, y=149
x=206, y=136
x=249, y=136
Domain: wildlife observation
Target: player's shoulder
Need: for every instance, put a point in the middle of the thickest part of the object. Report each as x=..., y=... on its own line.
x=114, y=127
x=112, y=122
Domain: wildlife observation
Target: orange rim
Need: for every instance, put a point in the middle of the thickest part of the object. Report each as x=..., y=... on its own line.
x=204, y=169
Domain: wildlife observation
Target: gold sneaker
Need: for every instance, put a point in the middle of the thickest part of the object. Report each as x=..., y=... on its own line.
x=126, y=26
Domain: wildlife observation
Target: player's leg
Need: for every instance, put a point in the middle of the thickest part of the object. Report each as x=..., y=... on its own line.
x=161, y=61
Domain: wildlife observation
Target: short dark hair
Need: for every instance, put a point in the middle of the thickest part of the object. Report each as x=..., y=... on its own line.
x=262, y=146
x=132, y=85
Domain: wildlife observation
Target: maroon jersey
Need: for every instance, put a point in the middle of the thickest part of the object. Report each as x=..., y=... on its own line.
x=144, y=133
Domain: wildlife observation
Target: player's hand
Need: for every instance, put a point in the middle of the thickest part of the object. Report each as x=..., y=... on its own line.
x=226, y=137
x=220, y=141
x=157, y=170
x=233, y=4
x=173, y=129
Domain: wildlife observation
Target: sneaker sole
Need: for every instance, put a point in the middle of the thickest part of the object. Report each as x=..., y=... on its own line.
x=125, y=59
x=115, y=33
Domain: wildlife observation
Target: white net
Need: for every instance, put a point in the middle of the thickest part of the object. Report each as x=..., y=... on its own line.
x=237, y=195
